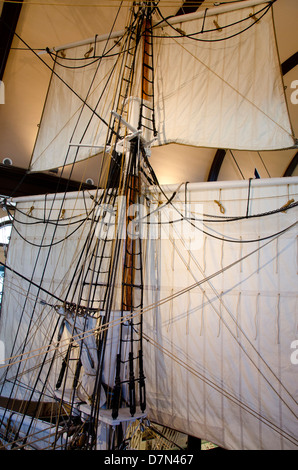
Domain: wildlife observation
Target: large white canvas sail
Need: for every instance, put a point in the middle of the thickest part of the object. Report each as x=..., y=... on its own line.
x=217, y=356
x=223, y=88
x=220, y=89
x=77, y=111
x=49, y=247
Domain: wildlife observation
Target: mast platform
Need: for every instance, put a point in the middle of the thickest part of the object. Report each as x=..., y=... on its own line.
x=104, y=415
x=124, y=416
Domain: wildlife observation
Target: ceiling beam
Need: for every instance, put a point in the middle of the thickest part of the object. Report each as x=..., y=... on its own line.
x=17, y=182
x=8, y=23
x=289, y=64
x=189, y=6
x=292, y=166
x=216, y=164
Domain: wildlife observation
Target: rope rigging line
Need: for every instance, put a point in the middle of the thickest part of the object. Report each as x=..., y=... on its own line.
x=29, y=287
x=128, y=32
x=181, y=34
x=239, y=169
x=38, y=220
x=262, y=160
x=189, y=219
x=93, y=59
x=127, y=317
x=126, y=3
x=216, y=218
x=68, y=87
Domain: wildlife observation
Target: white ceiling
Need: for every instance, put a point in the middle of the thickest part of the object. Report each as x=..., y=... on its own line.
x=60, y=22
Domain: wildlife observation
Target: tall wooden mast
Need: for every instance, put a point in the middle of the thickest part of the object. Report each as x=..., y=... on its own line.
x=132, y=278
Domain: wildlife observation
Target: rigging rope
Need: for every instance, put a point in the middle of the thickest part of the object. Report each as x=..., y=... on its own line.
x=181, y=34
x=220, y=218
x=114, y=3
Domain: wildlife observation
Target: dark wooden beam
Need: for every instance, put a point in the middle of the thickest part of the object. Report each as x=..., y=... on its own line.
x=289, y=64
x=292, y=166
x=8, y=23
x=216, y=165
x=189, y=6
x=18, y=182
x=45, y=409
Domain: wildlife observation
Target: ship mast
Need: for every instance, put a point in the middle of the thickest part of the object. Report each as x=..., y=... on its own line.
x=132, y=122
x=141, y=121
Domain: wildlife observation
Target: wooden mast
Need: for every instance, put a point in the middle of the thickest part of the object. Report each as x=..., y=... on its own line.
x=134, y=188
x=132, y=279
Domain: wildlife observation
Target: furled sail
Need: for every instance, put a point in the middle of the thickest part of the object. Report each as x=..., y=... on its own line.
x=217, y=83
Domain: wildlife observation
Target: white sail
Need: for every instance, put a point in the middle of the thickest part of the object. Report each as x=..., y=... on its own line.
x=217, y=356
x=50, y=235
x=77, y=111
x=220, y=89
x=218, y=352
